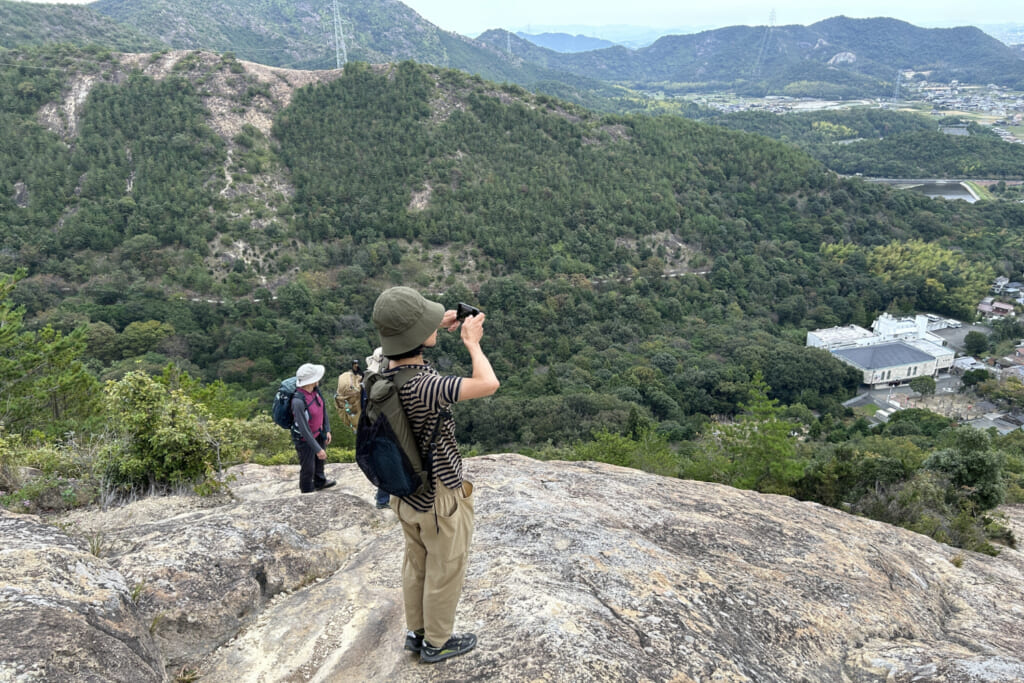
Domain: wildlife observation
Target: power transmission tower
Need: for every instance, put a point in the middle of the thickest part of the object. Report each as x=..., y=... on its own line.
x=896, y=91
x=764, y=43
x=508, y=42
x=340, y=53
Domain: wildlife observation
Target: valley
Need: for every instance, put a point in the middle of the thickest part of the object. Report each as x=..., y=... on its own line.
x=180, y=229
x=1000, y=109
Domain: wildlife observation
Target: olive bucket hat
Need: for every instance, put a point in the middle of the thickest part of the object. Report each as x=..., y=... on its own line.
x=405, y=319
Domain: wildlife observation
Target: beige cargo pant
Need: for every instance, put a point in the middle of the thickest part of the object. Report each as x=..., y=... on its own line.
x=436, y=553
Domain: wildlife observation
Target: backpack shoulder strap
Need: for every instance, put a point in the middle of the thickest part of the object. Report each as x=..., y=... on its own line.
x=402, y=375
x=299, y=394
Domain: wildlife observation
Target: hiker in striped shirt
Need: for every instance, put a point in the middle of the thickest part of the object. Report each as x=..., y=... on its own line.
x=438, y=523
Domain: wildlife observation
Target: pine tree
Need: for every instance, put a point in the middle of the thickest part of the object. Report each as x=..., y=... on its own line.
x=43, y=382
x=760, y=445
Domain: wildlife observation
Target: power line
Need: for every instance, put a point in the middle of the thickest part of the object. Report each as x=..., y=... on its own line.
x=764, y=43
x=340, y=53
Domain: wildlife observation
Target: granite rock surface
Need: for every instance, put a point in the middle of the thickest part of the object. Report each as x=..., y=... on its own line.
x=578, y=572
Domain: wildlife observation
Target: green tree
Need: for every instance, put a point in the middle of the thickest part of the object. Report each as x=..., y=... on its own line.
x=1009, y=391
x=934, y=277
x=917, y=421
x=141, y=337
x=646, y=451
x=974, y=466
x=845, y=472
x=975, y=343
x=972, y=378
x=43, y=383
x=760, y=446
x=923, y=385
x=166, y=438
x=101, y=341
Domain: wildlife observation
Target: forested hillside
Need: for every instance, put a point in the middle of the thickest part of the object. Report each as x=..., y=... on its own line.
x=564, y=42
x=643, y=277
x=278, y=33
x=545, y=214
x=885, y=143
x=26, y=23
x=301, y=36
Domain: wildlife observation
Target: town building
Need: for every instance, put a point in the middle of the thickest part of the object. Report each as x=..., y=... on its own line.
x=967, y=363
x=835, y=337
x=894, y=350
x=919, y=327
x=944, y=355
x=888, y=362
x=996, y=421
x=1001, y=308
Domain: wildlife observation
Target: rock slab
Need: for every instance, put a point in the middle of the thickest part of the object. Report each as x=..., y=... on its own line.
x=65, y=614
x=578, y=572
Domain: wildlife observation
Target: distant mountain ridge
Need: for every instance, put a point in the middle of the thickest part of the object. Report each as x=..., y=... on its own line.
x=281, y=33
x=564, y=42
x=300, y=35
x=847, y=57
x=836, y=58
x=627, y=35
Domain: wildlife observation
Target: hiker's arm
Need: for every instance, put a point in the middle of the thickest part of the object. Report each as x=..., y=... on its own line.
x=483, y=382
x=327, y=419
x=302, y=424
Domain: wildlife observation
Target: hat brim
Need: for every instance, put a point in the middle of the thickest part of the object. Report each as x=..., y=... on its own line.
x=418, y=333
x=318, y=374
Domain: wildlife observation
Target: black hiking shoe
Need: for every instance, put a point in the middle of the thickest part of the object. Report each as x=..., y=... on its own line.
x=458, y=644
x=325, y=484
x=414, y=641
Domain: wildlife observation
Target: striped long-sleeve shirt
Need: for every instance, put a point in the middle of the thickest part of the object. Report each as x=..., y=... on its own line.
x=425, y=398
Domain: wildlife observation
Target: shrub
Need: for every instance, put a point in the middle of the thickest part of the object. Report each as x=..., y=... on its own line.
x=649, y=451
x=842, y=473
x=972, y=467
x=264, y=440
x=41, y=476
x=923, y=421
x=168, y=439
x=8, y=460
x=50, y=492
x=924, y=504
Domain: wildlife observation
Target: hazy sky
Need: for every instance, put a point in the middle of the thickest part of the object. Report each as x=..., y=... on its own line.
x=472, y=17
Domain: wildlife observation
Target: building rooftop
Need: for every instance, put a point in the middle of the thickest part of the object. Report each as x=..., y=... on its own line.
x=931, y=348
x=969, y=363
x=881, y=356
x=839, y=335
x=988, y=422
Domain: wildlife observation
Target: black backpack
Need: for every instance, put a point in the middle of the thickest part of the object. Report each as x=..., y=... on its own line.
x=281, y=412
x=386, y=449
